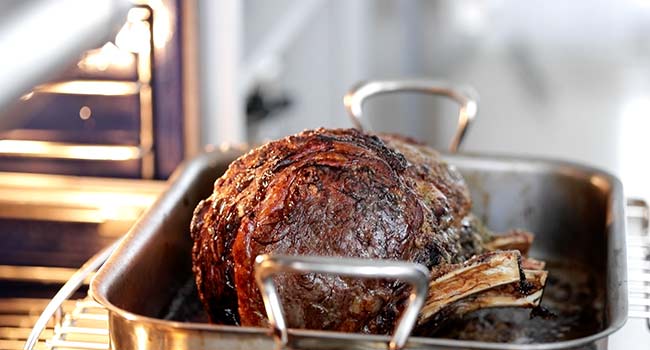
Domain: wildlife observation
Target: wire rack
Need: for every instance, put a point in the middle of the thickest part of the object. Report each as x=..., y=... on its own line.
x=17, y=318
x=85, y=327
x=80, y=325
x=83, y=324
x=638, y=259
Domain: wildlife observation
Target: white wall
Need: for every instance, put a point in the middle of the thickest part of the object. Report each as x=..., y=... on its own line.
x=562, y=79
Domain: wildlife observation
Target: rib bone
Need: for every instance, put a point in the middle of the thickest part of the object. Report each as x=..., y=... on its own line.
x=515, y=239
x=450, y=283
x=532, y=264
x=509, y=295
x=526, y=294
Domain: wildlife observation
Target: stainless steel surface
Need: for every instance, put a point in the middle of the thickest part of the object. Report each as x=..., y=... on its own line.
x=39, y=37
x=566, y=205
x=266, y=266
x=65, y=292
x=465, y=96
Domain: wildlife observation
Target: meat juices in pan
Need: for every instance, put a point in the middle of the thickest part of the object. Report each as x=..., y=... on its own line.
x=346, y=193
x=573, y=296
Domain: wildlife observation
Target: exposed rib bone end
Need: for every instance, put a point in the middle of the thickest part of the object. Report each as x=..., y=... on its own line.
x=451, y=283
x=524, y=294
x=516, y=239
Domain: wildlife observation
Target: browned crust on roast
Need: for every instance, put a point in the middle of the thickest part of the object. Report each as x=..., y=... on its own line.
x=326, y=192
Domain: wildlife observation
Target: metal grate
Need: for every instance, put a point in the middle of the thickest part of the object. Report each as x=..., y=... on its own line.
x=81, y=324
x=638, y=252
x=85, y=327
x=17, y=318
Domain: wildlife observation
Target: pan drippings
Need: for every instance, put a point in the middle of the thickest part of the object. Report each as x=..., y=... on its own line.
x=571, y=298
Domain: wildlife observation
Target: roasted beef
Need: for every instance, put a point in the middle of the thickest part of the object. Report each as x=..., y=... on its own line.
x=347, y=193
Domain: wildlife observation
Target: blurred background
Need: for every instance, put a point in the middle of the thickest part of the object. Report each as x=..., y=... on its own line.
x=97, y=96
x=555, y=78
x=558, y=79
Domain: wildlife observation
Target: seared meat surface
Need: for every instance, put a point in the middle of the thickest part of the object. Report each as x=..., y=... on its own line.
x=333, y=193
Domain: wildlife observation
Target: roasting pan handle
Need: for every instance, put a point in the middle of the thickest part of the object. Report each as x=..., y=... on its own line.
x=465, y=96
x=266, y=266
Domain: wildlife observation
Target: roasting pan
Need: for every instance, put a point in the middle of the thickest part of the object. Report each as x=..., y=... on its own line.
x=576, y=212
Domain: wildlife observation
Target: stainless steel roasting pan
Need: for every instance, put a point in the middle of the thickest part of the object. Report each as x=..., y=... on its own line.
x=576, y=212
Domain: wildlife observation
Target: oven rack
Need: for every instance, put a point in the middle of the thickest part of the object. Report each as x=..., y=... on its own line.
x=638, y=259
x=80, y=324
x=83, y=324
x=17, y=318
x=85, y=327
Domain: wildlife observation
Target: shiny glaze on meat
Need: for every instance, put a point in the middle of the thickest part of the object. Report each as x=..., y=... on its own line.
x=331, y=193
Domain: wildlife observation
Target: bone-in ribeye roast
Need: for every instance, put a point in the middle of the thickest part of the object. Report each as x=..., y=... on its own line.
x=346, y=193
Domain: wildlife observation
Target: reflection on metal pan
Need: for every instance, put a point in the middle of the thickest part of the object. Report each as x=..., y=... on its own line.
x=574, y=220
